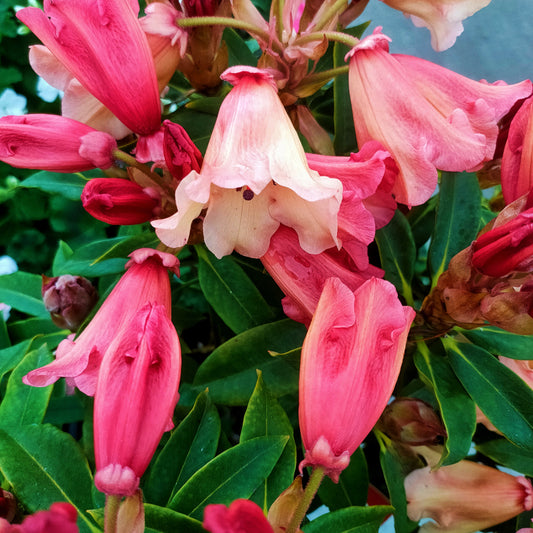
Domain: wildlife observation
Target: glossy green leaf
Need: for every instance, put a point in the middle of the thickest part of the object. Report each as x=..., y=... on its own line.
x=503, y=397
x=190, y=446
x=31, y=327
x=352, y=488
x=230, y=371
x=265, y=417
x=391, y=465
x=507, y=454
x=198, y=125
x=23, y=404
x=350, y=520
x=235, y=473
x=398, y=254
x=501, y=342
x=231, y=293
x=12, y=356
x=456, y=221
x=239, y=53
x=64, y=410
x=22, y=291
x=457, y=410
x=32, y=459
x=68, y=185
x=165, y=520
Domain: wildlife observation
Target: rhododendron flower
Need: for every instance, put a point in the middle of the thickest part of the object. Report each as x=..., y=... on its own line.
x=58, y=144
x=465, y=497
x=135, y=398
x=517, y=160
x=426, y=116
x=146, y=281
x=254, y=177
x=351, y=358
x=119, y=201
x=443, y=18
x=61, y=518
x=104, y=47
x=301, y=276
x=242, y=516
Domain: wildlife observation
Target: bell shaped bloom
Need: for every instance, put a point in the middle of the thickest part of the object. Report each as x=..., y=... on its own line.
x=465, y=497
x=507, y=246
x=443, y=18
x=254, y=177
x=54, y=143
x=517, y=160
x=146, y=281
x=104, y=47
x=119, y=201
x=135, y=398
x=301, y=276
x=351, y=358
x=60, y=518
x=426, y=116
x=242, y=516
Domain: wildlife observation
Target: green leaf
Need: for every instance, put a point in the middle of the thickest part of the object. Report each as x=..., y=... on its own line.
x=457, y=410
x=230, y=371
x=235, y=473
x=264, y=417
x=350, y=520
x=231, y=293
x=501, y=342
x=198, y=125
x=503, y=397
x=398, y=254
x=456, y=221
x=239, y=53
x=344, y=140
x=68, y=185
x=166, y=520
x=22, y=403
x=64, y=410
x=22, y=291
x=391, y=465
x=352, y=488
x=11, y=357
x=507, y=454
x=190, y=446
x=32, y=459
x=32, y=327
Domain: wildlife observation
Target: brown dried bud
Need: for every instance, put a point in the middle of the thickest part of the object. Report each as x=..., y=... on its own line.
x=281, y=511
x=8, y=505
x=411, y=421
x=69, y=299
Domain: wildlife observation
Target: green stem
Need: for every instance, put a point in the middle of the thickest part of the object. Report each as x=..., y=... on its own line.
x=311, y=488
x=340, y=5
x=338, y=36
x=192, y=22
x=324, y=75
x=112, y=505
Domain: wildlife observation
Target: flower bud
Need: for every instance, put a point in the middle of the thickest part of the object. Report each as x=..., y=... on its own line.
x=181, y=154
x=411, y=421
x=8, y=505
x=69, y=299
x=118, y=201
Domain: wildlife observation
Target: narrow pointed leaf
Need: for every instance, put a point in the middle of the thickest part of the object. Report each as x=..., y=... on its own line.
x=350, y=520
x=68, y=185
x=12, y=356
x=22, y=291
x=166, y=520
x=507, y=454
x=235, y=473
x=501, y=342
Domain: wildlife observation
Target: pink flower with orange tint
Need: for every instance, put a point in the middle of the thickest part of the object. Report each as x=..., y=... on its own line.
x=517, y=160
x=242, y=516
x=351, y=358
x=443, y=18
x=104, y=48
x=254, y=177
x=135, y=397
x=465, y=497
x=58, y=144
x=145, y=282
x=426, y=116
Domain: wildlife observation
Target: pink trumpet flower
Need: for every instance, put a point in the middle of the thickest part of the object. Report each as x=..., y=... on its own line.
x=426, y=116
x=135, y=398
x=254, y=177
x=104, y=47
x=465, y=497
x=58, y=144
x=443, y=18
x=242, y=516
x=351, y=358
x=146, y=281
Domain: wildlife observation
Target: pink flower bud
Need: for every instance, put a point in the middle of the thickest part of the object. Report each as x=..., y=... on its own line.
x=119, y=201
x=242, y=516
x=181, y=154
x=68, y=299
